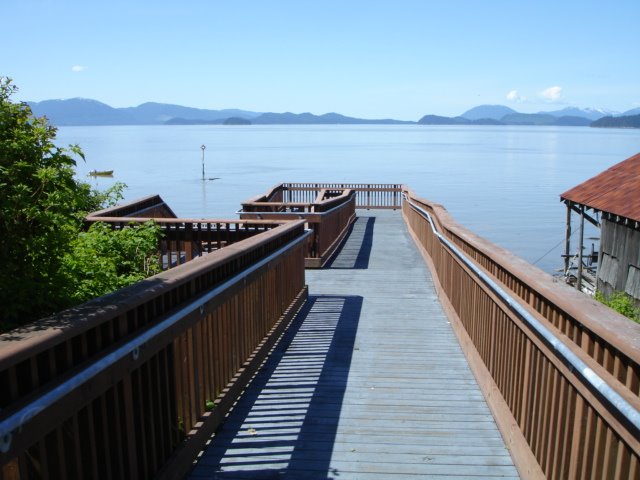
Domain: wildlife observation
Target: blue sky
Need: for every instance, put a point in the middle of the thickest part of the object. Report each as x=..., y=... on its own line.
x=367, y=58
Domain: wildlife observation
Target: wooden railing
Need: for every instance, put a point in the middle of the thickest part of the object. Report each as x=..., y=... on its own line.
x=368, y=195
x=184, y=239
x=328, y=215
x=147, y=207
x=560, y=421
x=130, y=385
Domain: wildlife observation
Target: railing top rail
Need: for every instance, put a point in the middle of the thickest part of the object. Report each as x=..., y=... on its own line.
x=181, y=221
x=264, y=200
x=628, y=411
x=358, y=187
x=607, y=324
x=330, y=185
x=345, y=195
x=17, y=419
x=134, y=206
x=298, y=214
x=263, y=197
x=278, y=204
x=31, y=339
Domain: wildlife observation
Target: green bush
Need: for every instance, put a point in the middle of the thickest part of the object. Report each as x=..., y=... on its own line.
x=47, y=263
x=40, y=205
x=621, y=303
x=102, y=260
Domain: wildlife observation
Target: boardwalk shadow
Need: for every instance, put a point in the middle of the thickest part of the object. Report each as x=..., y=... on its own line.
x=354, y=253
x=285, y=424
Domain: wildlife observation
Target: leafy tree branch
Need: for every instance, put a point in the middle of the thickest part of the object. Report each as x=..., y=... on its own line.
x=44, y=259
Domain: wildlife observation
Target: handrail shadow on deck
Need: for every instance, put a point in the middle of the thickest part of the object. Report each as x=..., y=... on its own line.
x=286, y=423
x=355, y=251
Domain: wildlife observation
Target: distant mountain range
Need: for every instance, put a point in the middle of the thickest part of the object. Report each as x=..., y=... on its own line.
x=289, y=118
x=81, y=111
x=494, y=112
x=438, y=120
x=502, y=115
x=626, y=121
x=635, y=111
x=498, y=112
x=510, y=119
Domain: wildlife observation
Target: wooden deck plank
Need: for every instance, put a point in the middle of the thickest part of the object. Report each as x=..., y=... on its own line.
x=369, y=382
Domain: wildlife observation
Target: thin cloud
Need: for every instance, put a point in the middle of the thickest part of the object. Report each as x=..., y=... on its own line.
x=551, y=94
x=78, y=68
x=514, y=96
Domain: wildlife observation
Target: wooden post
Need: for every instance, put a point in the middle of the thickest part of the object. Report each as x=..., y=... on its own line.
x=203, y=147
x=580, y=247
x=567, y=242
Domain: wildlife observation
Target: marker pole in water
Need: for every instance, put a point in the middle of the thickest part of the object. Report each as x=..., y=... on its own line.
x=203, y=148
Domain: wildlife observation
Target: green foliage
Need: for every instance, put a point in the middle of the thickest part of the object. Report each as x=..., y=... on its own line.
x=42, y=208
x=621, y=303
x=209, y=405
x=40, y=205
x=106, y=198
x=180, y=425
x=102, y=260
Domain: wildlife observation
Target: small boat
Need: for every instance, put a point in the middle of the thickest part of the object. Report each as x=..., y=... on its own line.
x=101, y=173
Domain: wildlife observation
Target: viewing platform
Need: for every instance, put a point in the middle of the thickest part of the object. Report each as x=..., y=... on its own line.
x=338, y=331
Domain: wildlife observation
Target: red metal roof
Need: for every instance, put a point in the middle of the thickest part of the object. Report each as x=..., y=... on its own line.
x=616, y=190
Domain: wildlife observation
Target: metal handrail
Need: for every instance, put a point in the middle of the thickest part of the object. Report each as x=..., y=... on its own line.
x=627, y=410
x=132, y=347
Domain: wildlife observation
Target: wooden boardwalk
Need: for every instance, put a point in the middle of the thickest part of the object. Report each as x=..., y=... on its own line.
x=368, y=383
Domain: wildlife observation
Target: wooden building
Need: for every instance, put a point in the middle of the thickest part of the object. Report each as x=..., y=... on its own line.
x=615, y=195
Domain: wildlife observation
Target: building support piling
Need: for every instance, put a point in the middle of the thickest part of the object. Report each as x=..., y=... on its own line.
x=580, y=248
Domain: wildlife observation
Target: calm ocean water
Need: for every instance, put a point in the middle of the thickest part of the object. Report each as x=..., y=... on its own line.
x=503, y=183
